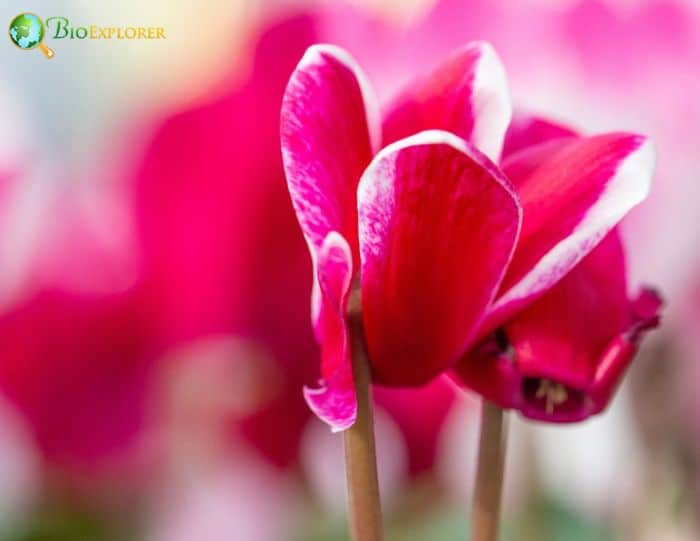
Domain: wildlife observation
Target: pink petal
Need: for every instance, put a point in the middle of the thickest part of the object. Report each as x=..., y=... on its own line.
x=562, y=335
x=329, y=133
x=529, y=142
x=438, y=222
x=526, y=130
x=466, y=95
x=334, y=402
x=644, y=316
x=524, y=162
x=570, y=202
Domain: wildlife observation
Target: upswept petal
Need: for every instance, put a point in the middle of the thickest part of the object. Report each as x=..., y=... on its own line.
x=523, y=163
x=527, y=130
x=334, y=402
x=329, y=133
x=437, y=226
x=529, y=142
x=466, y=95
x=330, y=129
x=570, y=202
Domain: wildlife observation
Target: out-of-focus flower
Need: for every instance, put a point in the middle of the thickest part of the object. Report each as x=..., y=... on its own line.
x=75, y=366
x=219, y=239
x=423, y=300
x=75, y=345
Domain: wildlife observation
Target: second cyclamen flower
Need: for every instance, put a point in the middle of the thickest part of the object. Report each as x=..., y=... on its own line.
x=447, y=247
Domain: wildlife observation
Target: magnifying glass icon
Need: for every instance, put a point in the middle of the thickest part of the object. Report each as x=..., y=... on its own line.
x=27, y=32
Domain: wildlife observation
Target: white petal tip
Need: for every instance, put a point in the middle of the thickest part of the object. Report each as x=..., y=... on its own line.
x=314, y=55
x=337, y=412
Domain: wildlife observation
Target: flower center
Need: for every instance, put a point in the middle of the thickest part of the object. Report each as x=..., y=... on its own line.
x=553, y=393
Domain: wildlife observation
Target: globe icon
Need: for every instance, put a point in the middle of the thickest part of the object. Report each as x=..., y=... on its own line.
x=27, y=32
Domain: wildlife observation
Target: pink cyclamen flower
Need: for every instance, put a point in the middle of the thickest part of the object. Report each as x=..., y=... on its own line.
x=447, y=247
x=560, y=358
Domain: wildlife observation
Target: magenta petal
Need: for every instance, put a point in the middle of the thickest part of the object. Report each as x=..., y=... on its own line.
x=526, y=130
x=521, y=164
x=530, y=141
x=334, y=402
x=329, y=133
x=562, y=335
x=645, y=313
x=438, y=222
x=644, y=316
x=570, y=202
x=466, y=95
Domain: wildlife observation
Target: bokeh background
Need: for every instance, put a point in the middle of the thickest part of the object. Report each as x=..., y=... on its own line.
x=154, y=286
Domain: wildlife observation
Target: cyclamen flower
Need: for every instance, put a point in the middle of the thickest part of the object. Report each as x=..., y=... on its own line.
x=446, y=246
x=561, y=358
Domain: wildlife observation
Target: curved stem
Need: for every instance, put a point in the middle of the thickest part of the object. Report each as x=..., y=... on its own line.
x=489, y=475
x=360, y=460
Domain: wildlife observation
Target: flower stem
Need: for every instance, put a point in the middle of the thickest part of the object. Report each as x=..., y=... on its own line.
x=489, y=475
x=360, y=460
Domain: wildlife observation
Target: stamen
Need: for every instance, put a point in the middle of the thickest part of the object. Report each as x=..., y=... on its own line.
x=554, y=394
